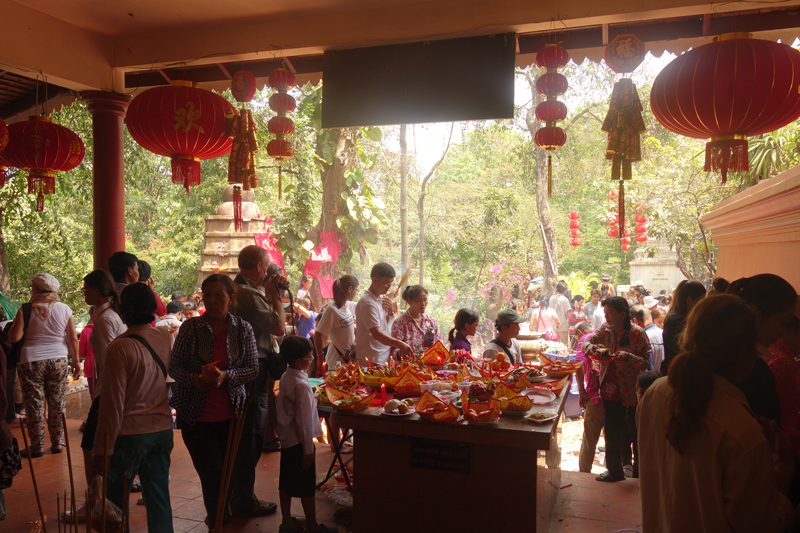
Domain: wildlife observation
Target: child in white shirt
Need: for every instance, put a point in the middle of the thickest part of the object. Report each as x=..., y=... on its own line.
x=298, y=425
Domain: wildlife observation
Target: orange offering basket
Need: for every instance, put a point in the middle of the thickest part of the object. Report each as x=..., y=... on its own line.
x=480, y=413
x=346, y=377
x=427, y=401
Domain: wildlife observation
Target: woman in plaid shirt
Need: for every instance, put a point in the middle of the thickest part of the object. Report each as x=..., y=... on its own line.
x=623, y=351
x=206, y=397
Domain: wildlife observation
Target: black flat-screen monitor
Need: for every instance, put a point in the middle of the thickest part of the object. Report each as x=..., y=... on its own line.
x=435, y=81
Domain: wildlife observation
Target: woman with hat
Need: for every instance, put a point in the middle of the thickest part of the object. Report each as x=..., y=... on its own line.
x=44, y=365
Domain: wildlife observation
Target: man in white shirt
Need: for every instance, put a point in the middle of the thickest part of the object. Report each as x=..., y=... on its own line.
x=172, y=320
x=560, y=304
x=599, y=316
x=640, y=316
x=373, y=337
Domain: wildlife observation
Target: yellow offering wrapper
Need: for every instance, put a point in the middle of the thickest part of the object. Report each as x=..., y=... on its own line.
x=345, y=400
x=436, y=355
x=480, y=413
x=504, y=390
x=554, y=386
x=517, y=403
x=408, y=382
x=427, y=401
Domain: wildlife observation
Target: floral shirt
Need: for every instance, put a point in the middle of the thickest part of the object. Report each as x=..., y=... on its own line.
x=408, y=330
x=618, y=378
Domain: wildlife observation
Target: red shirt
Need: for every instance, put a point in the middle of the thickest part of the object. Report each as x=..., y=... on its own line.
x=218, y=405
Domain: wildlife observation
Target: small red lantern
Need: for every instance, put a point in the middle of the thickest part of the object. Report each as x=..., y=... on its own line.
x=640, y=218
x=574, y=224
x=280, y=149
x=551, y=111
x=549, y=138
x=575, y=242
x=574, y=215
x=282, y=80
x=183, y=123
x=42, y=148
x=552, y=84
x=280, y=125
x=552, y=57
x=641, y=237
x=574, y=233
x=728, y=90
x=612, y=232
x=640, y=228
x=625, y=247
x=624, y=53
x=625, y=240
x=626, y=232
x=243, y=86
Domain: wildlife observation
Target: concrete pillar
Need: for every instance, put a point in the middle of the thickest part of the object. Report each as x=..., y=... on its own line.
x=108, y=181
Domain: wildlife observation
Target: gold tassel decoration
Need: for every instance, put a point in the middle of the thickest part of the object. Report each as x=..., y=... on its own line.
x=549, y=175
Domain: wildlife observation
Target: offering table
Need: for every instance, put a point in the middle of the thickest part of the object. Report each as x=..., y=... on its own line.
x=415, y=475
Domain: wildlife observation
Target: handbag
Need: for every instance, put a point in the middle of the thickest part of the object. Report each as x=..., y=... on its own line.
x=549, y=334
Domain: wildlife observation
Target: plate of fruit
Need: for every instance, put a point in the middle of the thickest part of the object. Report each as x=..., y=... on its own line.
x=398, y=408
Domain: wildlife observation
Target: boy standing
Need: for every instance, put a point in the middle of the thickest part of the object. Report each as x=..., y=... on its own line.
x=373, y=337
x=298, y=425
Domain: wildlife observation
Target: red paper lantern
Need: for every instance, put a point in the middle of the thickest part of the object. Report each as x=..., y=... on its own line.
x=640, y=218
x=243, y=86
x=624, y=53
x=282, y=80
x=552, y=57
x=574, y=224
x=575, y=242
x=280, y=149
x=183, y=123
x=625, y=240
x=574, y=215
x=42, y=148
x=552, y=84
x=612, y=232
x=551, y=111
x=281, y=125
x=574, y=233
x=640, y=228
x=726, y=91
x=626, y=232
x=282, y=103
x=625, y=247
x=642, y=237
x=550, y=138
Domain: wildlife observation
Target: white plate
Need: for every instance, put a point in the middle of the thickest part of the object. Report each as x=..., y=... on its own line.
x=552, y=417
x=539, y=396
x=411, y=411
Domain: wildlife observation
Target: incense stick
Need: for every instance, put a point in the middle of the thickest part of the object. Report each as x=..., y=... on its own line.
x=105, y=484
x=234, y=437
x=126, y=496
x=69, y=465
x=58, y=511
x=33, y=476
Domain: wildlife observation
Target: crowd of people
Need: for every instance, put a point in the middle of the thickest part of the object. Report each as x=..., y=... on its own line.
x=713, y=441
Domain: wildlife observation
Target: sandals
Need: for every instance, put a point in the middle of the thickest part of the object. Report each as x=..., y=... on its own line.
x=34, y=452
x=607, y=477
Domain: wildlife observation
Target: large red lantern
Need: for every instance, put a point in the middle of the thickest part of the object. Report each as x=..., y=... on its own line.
x=640, y=228
x=625, y=240
x=574, y=215
x=551, y=85
x=574, y=233
x=726, y=91
x=281, y=126
x=575, y=242
x=42, y=148
x=183, y=123
x=612, y=232
x=625, y=247
x=640, y=218
x=574, y=224
x=641, y=238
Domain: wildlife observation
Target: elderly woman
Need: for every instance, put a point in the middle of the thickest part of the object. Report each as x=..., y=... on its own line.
x=134, y=422
x=214, y=356
x=43, y=366
x=623, y=351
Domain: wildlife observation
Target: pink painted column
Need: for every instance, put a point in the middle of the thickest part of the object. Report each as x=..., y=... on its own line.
x=108, y=181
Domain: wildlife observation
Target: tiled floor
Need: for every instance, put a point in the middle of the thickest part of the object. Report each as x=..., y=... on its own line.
x=589, y=506
x=52, y=477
